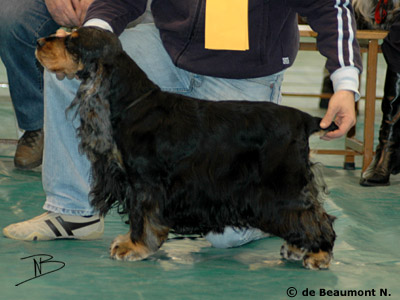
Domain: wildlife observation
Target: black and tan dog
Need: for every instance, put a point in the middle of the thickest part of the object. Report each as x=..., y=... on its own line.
x=195, y=166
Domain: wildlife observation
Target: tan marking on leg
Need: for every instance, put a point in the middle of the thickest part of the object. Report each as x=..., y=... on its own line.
x=291, y=252
x=122, y=248
x=316, y=261
x=154, y=235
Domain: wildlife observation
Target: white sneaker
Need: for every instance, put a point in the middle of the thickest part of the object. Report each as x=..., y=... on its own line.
x=53, y=226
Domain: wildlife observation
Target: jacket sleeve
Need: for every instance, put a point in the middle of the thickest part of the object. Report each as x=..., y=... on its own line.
x=335, y=24
x=117, y=13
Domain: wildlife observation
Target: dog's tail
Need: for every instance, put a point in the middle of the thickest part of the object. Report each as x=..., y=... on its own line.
x=315, y=128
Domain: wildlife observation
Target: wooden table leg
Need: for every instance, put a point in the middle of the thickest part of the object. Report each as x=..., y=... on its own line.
x=370, y=97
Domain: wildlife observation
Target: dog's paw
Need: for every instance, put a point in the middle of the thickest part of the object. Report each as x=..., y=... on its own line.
x=291, y=252
x=122, y=248
x=317, y=261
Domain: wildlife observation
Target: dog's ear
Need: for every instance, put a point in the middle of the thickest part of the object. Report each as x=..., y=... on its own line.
x=92, y=43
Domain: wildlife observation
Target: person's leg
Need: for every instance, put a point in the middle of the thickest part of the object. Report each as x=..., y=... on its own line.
x=156, y=63
x=260, y=89
x=66, y=172
x=143, y=44
x=22, y=23
x=65, y=175
x=387, y=155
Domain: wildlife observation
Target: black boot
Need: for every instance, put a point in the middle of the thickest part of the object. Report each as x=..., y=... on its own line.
x=387, y=155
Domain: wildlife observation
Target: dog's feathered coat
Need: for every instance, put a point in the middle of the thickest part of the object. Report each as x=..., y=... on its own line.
x=195, y=166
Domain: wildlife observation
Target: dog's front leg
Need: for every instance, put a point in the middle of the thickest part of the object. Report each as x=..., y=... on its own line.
x=311, y=260
x=130, y=247
x=319, y=260
x=122, y=248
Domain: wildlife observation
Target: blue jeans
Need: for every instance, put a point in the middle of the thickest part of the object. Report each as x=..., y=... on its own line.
x=66, y=173
x=22, y=23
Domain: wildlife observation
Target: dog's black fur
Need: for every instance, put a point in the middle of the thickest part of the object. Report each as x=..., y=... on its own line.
x=195, y=166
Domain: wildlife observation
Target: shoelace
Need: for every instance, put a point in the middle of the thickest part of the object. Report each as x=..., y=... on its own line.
x=30, y=138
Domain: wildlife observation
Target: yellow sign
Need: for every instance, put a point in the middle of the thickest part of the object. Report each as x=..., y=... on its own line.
x=227, y=25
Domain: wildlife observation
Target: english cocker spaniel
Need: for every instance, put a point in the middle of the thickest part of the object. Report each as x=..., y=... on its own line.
x=194, y=166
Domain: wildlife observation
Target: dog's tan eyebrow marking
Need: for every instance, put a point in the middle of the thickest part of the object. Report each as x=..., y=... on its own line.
x=74, y=34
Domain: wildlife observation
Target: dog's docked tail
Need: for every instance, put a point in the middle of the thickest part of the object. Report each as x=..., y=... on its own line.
x=316, y=128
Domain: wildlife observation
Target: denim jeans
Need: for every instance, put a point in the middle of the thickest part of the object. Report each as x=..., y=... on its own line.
x=22, y=23
x=66, y=173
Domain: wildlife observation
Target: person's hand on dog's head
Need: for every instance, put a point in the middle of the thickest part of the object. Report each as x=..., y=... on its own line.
x=341, y=110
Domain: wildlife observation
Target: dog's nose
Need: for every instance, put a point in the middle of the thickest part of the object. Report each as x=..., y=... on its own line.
x=40, y=42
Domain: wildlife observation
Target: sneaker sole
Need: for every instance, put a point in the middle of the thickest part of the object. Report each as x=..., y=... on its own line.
x=36, y=236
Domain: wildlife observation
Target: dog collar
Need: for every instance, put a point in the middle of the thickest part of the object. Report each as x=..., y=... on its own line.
x=136, y=101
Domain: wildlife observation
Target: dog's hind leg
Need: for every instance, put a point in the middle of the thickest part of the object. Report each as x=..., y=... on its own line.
x=139, y=244
x=310, y=237
x=311, y=260
x=320, y=256
x=317, y=261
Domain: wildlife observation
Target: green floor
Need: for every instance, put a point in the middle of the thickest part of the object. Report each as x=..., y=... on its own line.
x=366, y=254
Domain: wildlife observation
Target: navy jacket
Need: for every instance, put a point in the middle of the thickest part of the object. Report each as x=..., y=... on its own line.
x=273, y=33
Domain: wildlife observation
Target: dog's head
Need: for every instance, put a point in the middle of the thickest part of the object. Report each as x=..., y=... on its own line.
x=78, y=50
